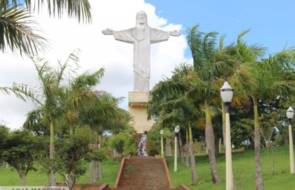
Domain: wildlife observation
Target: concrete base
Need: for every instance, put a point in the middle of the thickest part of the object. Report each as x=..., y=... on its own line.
x=137, y=108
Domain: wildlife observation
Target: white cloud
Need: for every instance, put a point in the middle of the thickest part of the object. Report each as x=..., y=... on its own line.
x=97, y=51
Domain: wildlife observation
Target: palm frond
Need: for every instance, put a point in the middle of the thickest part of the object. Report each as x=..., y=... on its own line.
x=21, y=91
x=194, y=39
x=73, y=57
x=87, y=80
x=6, y=4
x=221, y=42
x=43, y=70
x=209, y=44
x=241, y=35
x=286, y=58
x=17, y=31
x=80, y=9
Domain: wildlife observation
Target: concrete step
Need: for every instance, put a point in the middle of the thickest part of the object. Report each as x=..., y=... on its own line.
x=144, y=173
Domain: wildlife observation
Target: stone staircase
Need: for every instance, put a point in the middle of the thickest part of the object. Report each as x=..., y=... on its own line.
x=144, y=173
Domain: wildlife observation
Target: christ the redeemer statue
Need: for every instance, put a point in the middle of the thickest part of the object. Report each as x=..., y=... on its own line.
x=141, y=36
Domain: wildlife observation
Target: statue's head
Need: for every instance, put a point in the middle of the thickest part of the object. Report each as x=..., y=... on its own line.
x=141, y=19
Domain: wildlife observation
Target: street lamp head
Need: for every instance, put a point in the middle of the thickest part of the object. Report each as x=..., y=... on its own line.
x=161, y=132
x=226, y=92
x=176, y=129
x=290, y=113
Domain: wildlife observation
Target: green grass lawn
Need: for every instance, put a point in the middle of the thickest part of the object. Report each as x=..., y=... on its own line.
x=275, y=172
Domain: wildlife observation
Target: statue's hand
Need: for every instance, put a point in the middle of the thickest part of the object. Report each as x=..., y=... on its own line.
x=108, y=31
x=175, y=33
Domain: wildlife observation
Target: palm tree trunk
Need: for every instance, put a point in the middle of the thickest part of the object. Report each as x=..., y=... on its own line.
x=52, y=178
x=219, y=146
x=187, y=163
x=22, y=177
x=95, y=166
x=99, y=166
x=210, y=141
x=92, y=172
x=95, y=171
x=181, y=152
x=257, y=146
x=70, y=180
x=192, y=157
x=168, y=147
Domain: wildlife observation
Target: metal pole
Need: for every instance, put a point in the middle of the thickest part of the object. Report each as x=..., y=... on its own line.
x=175, y=153
x=162, y=146
x=291, y=149
x=228, y=151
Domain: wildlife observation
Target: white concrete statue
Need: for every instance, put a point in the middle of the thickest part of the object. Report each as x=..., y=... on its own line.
x=141, y=36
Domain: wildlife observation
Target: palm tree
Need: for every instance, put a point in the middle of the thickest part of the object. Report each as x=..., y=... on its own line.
x=105, y=116
x=260, y=79
x=79, y=106
x=273, y=78
x=48, y=99
x=209, y=64
x=78, y=94
x=99, y=110
x=244, y=76
x=170, y=106
x=18, y=30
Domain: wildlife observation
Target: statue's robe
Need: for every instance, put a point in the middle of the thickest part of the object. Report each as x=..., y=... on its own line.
x=141, y=38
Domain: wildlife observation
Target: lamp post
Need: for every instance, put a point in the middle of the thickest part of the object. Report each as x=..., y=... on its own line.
x=162, y=142
x=226, y=93
x=176, y=131
x=290, y=115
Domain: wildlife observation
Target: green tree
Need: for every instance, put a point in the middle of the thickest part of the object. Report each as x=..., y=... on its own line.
x=170, y=106
x=209, y=65
x=123, y=143
x=4, y=131
x=273, y=77
x=72, y=151
x=20, y=151
x=36, y=123
x=96, y=109
x=259, y=79
x=48, y=99
x=77, y=106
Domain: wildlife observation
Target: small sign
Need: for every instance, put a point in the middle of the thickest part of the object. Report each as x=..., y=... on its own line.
x=34, y=188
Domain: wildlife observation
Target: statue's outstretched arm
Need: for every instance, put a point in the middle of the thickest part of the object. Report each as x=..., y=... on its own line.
x=122, y=35
x=108, y=31
x=158, y=35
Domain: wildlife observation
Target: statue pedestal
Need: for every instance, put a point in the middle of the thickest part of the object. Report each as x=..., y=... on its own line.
x=137, y=107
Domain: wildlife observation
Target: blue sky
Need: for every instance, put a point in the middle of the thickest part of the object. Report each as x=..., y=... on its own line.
x=272, y=22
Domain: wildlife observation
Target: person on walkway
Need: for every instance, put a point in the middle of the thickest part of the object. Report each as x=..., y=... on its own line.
x=141, y=151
